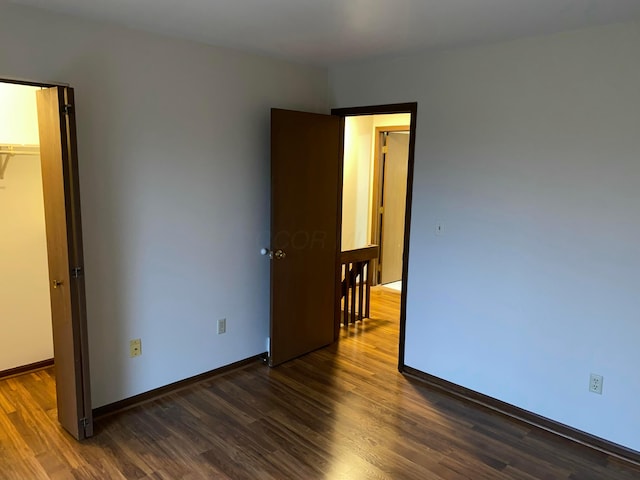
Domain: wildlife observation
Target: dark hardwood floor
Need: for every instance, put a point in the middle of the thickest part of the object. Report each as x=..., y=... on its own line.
x=343, y=412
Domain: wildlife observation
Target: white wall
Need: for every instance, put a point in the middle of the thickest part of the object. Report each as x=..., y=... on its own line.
x=19, y=116
x=359, y=149
x=391, y=120
x=527, y=151
x=356, y=182
x=25, y=318
x=173, y=142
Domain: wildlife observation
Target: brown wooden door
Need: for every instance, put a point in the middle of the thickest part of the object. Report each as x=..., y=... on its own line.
x=58, y=156
x=306, y=179
x=394, y=203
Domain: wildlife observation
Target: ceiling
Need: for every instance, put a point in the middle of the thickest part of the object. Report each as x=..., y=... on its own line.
x=325, y=32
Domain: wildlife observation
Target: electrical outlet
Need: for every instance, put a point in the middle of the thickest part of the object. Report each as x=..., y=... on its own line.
x=222, y=326
x=595, y=383
x=135, y=347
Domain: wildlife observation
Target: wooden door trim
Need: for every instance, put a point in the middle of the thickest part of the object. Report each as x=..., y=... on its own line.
x=74, y=216
x=337, y=314
x=411, y=108
x=32, y=83
x=377, y=191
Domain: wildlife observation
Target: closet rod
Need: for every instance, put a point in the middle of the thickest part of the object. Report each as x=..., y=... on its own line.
x=19, y=149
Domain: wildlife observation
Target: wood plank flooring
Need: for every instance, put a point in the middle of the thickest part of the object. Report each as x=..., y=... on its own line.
x=343, y=412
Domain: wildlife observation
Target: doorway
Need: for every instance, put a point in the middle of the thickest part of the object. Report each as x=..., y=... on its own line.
x=26, y=342
x=389, y=193
x=305, y=248
x=384, y=178
x=54, y=229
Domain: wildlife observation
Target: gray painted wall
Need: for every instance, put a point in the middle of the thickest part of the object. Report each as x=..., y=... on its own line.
x=174, y=170
x=529, y=153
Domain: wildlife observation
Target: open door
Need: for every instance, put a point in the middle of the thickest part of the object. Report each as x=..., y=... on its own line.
x=60, y=186
x=394, y=196
x=306, y=180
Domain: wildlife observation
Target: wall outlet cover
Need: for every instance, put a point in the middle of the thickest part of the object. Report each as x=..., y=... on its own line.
x=595, y=383
x=135, y=347
x=222, y=326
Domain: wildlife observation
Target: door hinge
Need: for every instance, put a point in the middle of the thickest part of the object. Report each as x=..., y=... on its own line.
x=67, y=108
x=84, y=422
x=381, y=210
x=385, y=149
x=77, y=272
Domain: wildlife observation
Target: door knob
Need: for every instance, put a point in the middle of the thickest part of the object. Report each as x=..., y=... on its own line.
x=278, y=254
x=57, y=283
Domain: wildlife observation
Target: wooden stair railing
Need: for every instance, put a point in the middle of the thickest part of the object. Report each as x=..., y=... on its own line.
x=356, y=282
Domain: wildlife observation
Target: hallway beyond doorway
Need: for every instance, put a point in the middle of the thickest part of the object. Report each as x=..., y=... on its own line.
x=397, y=286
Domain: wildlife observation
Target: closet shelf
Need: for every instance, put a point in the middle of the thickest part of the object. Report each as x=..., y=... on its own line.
x=8, y=151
